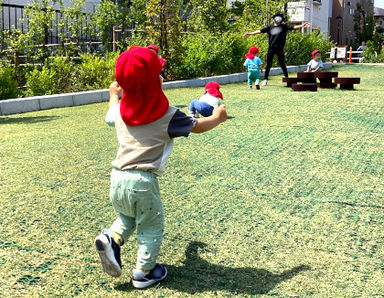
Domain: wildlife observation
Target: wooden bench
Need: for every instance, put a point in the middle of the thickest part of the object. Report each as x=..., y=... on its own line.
x=306, y=77
x=304, y=87
x=325, y=79
x=347, y=83
x=290, y=81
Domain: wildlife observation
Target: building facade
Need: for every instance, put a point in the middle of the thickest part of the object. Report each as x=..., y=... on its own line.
x=342, y=22
x=379, y=17
x=315, y=12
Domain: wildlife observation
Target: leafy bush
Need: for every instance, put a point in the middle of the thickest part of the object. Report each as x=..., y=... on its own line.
x=64, y=70
x=94, y=72
x=8, y=83
x=300, y=46
x=208, y=54
x=371, y=55
x=41, y=82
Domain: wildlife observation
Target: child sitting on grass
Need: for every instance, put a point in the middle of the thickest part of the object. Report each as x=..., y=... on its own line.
x=146, y=125
x=207, y=102
x=254, y=64
x=315, y=64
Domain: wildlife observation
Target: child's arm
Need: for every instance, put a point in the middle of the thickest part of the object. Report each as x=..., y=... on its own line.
x=316, y=69
x=218, y=116
x=308, y=69
x=114, y=93
x=161, y=81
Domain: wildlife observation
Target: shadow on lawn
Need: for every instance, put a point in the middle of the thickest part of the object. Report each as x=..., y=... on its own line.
x=197, y=276
x=27, y=120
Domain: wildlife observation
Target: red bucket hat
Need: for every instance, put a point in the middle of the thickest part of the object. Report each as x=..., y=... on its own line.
x=213, y=89
x=156, y=49
x=137, y=72
x=315, y=52
x=252, y=52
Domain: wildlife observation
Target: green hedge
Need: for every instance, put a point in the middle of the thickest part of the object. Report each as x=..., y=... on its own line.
x=8, y=83
x=200, y=54
x=63, y=75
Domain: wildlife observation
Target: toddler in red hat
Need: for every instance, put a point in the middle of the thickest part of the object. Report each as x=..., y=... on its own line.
x=212, y=98
x=145, y=125
x=254, y=64
x=315, y=64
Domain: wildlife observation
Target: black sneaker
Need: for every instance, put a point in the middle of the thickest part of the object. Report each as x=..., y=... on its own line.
x=141, y=280
x=257, y=86
x=109, y=253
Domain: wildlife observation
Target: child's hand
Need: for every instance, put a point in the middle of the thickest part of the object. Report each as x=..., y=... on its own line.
x=115, y=89
x=220, y=113
x=246, y=35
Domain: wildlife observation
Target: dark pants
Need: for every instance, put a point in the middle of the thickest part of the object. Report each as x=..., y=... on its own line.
x=280, y=55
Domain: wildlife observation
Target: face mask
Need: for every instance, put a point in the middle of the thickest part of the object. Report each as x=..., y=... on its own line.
x=278, y=19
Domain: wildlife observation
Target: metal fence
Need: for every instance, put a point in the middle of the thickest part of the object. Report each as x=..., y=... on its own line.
x=11, y=19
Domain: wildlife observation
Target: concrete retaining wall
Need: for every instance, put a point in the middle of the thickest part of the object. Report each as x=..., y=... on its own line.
x=36, y=103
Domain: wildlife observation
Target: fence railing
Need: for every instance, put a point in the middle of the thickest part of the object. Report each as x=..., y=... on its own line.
x=341, y=54
x=12, y=18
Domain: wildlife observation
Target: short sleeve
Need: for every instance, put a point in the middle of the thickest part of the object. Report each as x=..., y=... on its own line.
x=246, y=63
x=259, y=62
x=181, y=125
x=111, y=114
x=265, y=30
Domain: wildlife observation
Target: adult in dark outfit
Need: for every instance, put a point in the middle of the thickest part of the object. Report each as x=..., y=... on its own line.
x=277, y=34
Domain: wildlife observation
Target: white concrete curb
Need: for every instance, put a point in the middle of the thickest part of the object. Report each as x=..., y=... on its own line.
x=36, y=103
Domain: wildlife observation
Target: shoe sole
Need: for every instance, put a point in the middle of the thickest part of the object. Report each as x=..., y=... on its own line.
x=145, y=284
x=107, y=258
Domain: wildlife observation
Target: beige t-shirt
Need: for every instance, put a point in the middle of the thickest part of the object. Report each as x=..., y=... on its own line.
x=147, y=147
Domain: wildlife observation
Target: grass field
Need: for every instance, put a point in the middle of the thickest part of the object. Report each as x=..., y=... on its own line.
x=284, y=199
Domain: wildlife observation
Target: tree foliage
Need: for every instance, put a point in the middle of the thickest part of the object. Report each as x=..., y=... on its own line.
x=364, y=24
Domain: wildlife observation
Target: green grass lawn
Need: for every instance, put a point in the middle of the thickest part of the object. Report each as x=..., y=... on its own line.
x=283, y=199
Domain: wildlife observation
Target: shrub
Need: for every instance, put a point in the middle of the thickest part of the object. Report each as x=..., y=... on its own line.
x=64, y=70
x=8, y=83
x=371, y=55
x=94, y=72
x=41, y=82
x=208, y=54
x=300, y=46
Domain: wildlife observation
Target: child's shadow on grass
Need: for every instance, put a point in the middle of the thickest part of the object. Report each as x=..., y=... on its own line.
x=197, y=276
x=27, y=120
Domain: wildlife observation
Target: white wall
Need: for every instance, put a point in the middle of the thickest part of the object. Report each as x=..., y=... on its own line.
x=321, y=15
x=316, y=14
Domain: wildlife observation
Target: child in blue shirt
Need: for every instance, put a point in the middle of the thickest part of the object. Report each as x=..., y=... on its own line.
x=254, y=64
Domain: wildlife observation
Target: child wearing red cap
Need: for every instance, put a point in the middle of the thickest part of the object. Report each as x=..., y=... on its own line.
x=254, y=64
x=207, y=102
x=145, y=125
x=315, y=64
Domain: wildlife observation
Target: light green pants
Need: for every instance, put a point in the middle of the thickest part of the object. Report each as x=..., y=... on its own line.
x=135, y=195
